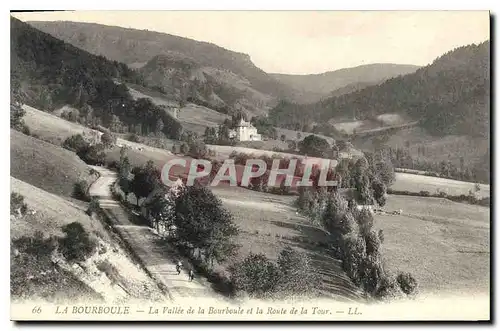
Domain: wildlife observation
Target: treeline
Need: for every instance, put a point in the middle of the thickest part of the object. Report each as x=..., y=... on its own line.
x=401, y=158
x=357, y=244
x=48, y=73
x=194, y=220
x=450, y=96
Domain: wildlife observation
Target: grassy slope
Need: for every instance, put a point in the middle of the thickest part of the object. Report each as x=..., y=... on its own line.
x=53, y=211
x=50, y=127
x=417, y=183
x=45, y=165
x=444, y=244
x=268, y=223
x=106, y=273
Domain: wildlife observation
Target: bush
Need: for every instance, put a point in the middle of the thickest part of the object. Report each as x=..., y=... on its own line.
x=17, y=204
x=407, y=283
x=108, y=139
x=80, y=190
x=93, y=206
x=37, y=245
x=76, y=245
x=75, y=143
x=256, y=275
x=424, y=193
x=133, y=138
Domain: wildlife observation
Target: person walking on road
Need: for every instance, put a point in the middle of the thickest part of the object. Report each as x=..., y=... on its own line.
x=178, y=267
x=191, y=275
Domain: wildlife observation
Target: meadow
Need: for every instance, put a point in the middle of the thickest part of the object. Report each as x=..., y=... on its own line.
x=444, y=244
x=417, y=183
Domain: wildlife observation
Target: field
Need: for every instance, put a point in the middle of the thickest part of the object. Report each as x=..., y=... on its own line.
x=45, y=165
x=268, y=223
x=417, y=183
x=51, y=127
x=444, y=244
x=52, y=212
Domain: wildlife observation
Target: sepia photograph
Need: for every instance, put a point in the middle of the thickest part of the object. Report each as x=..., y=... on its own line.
x=250, y=166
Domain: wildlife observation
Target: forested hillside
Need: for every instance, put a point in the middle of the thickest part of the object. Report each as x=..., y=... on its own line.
x=322, y=85
x=48, y=73
x=244, y=85
x=449, y=96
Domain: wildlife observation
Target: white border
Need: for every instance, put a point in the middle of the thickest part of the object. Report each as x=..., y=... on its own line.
x=192, y=5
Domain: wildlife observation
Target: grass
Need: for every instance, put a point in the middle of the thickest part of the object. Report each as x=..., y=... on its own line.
x=268, y=223
x=45, y=165
x=50, y=127
x=417, y=183
x=52, y=212
x=109, y=273
x=444, y=244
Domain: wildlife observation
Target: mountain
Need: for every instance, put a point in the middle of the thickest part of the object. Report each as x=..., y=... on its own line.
x=209, y=72
x=48, y=73
x=449, y=96
x=320, y=85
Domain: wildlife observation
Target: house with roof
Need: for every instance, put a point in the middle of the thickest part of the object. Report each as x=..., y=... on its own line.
x=245, y=131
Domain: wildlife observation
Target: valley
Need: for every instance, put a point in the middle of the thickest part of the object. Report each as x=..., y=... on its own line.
x=97, y=111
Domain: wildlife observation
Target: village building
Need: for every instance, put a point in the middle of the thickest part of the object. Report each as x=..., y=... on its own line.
x=245, y=131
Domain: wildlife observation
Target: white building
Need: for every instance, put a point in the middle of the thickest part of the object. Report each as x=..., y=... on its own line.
x=245, y=131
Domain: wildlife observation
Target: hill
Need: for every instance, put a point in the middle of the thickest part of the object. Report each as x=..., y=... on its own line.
x=449, y=96
x=205, y=67
x=323, y=85
x=44, y=165
x=109, y=274
x=48, y=73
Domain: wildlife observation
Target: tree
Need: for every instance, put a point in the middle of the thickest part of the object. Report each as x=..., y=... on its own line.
x=146, y=179
x=314, y=146
x=210, y=136
x=299, y=136
x=292, y=145
x=379, y=192
x=198, y=149
x=203, y=223
x=283, y=138
x=16, y=116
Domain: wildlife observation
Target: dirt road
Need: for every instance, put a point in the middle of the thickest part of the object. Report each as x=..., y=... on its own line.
x=157, y=258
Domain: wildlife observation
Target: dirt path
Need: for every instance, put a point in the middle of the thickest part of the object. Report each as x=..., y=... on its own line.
x=155, y=257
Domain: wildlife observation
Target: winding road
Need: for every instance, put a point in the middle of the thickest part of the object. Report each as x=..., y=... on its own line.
x=156, y=257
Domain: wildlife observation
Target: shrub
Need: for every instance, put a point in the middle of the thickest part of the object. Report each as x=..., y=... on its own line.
x=256, y=275
x=424, y=193
x=80, y=190
x=133, y=138
x=17, y=204
x=75, y=143
x=407, y=283
x=76, y=245
x=93, y=206
x=36, y=245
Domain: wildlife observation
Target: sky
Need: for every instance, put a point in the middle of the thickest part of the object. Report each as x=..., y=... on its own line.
x=307, y=42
